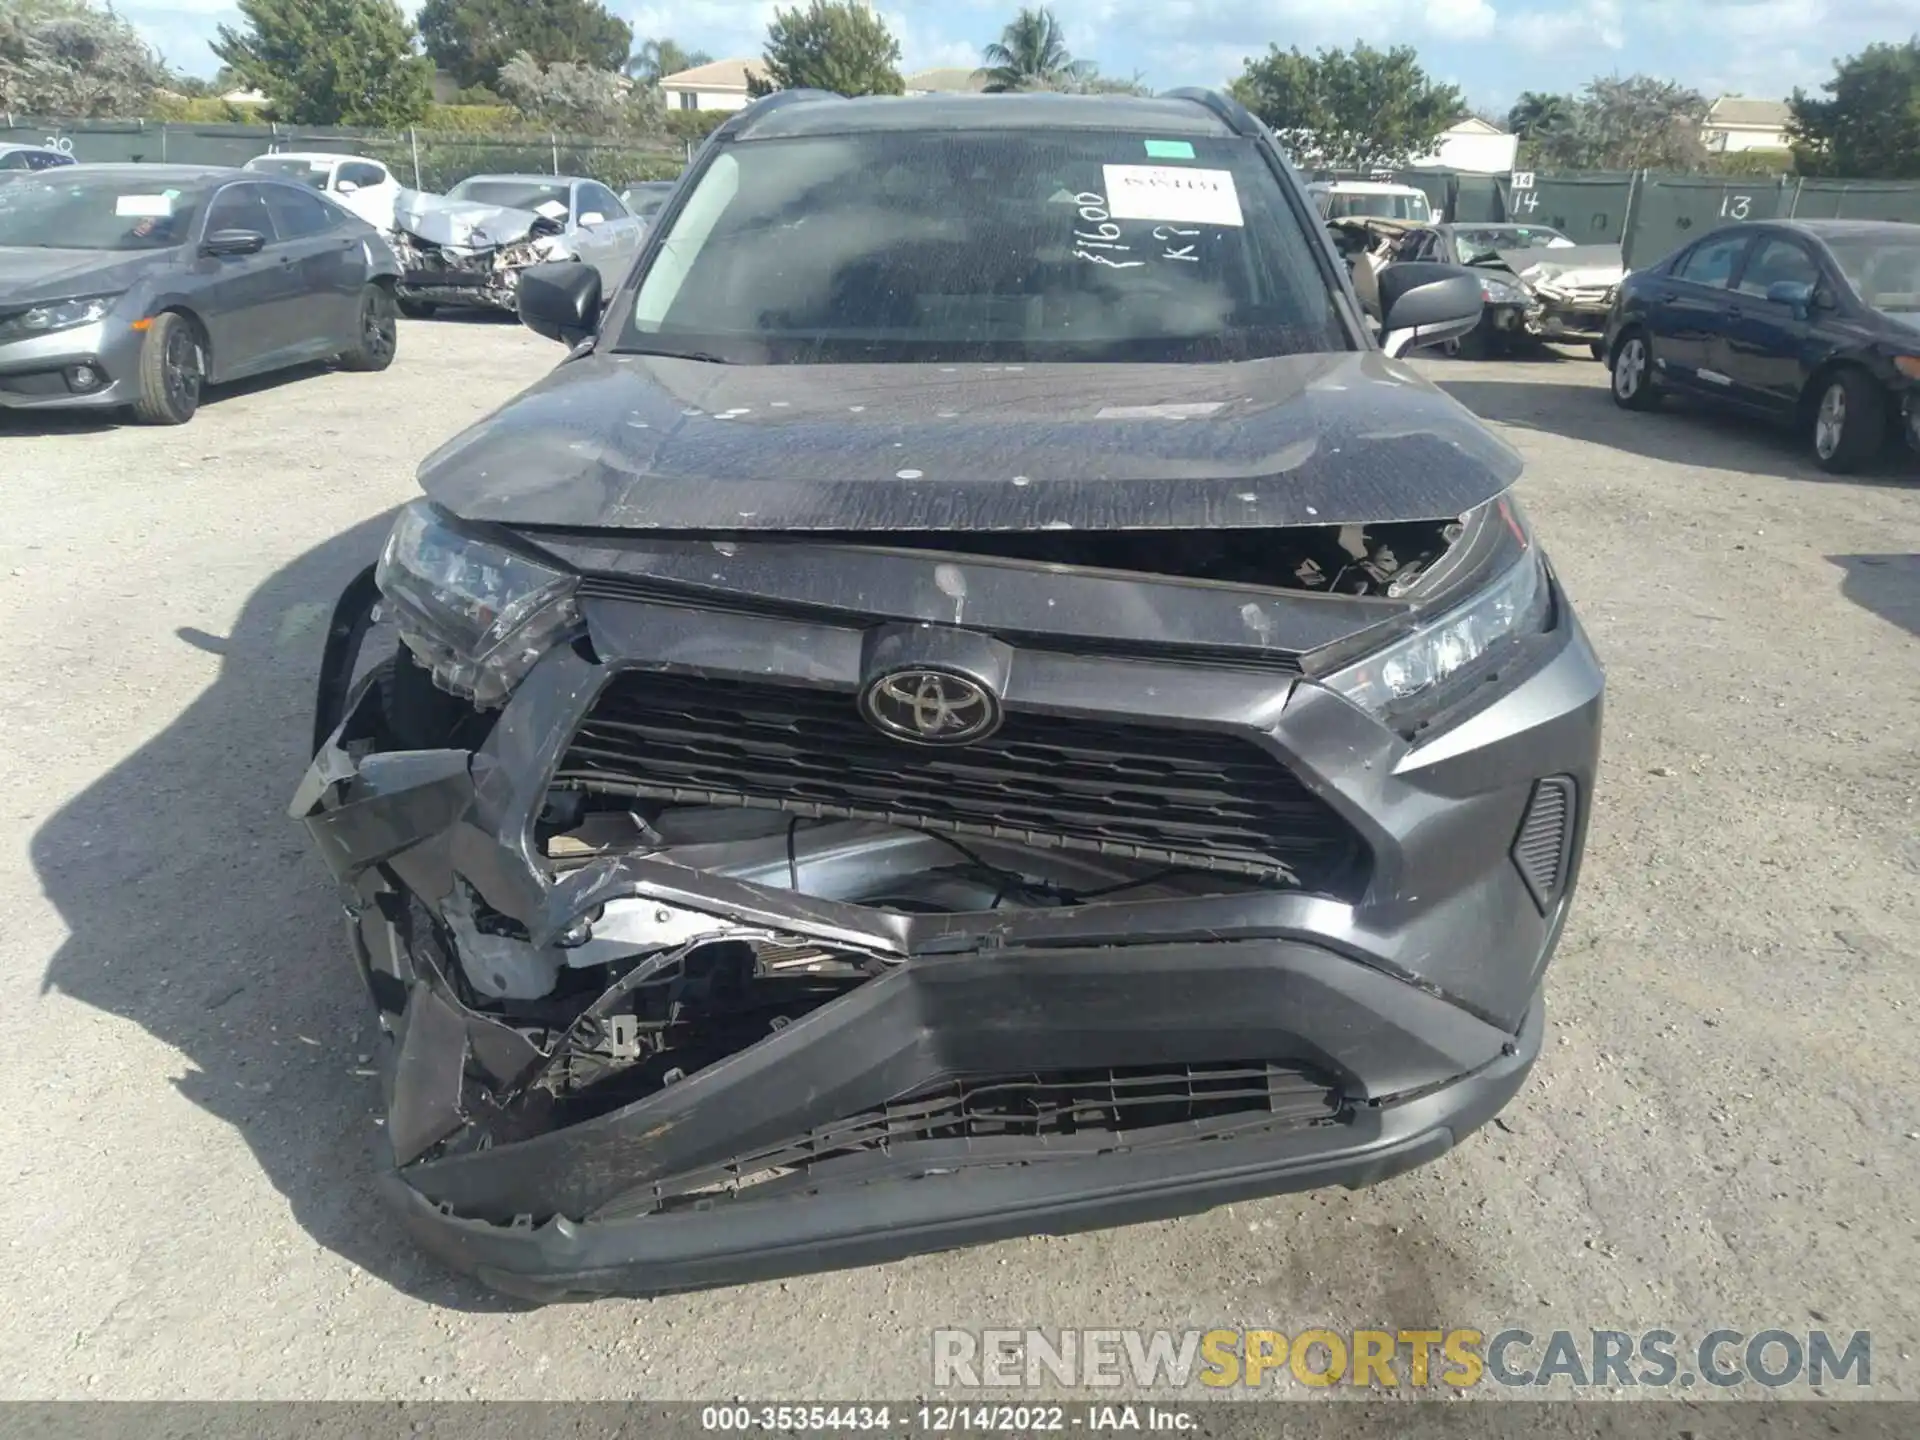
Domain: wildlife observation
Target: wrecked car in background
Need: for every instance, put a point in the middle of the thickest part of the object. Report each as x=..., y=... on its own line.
x=468, y=247
x=976, y=700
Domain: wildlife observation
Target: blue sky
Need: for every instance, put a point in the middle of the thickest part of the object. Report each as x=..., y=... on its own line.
x=1492, y=49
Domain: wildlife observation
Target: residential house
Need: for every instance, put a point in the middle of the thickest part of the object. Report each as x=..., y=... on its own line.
x=1474, y=147
x=721, y=85
x=1734, y=124
x=951, y=80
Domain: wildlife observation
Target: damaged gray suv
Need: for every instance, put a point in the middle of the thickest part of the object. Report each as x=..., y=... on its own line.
x=978, y=699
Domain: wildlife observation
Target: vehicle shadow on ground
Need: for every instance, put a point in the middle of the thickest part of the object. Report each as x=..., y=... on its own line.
x=195, y=910
x=1886, y=585
x=1678, y=433
x=84, y=422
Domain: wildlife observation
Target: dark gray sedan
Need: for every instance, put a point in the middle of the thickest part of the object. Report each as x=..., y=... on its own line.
x=134, y=286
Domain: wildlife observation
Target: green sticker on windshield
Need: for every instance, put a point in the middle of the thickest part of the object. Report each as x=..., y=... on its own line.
x=1170, y=149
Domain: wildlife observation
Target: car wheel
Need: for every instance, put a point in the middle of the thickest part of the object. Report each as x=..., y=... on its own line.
x=172, y=370
x=1477, y=344
x=418, y=309
x=379, y=329
x=1849, y=422
x=1633, y=387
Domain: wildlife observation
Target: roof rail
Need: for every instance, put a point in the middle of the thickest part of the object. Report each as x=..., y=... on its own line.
x=743, y=119
x=1236, y=116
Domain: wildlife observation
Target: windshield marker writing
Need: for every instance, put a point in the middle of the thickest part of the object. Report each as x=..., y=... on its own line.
x=1093, y=211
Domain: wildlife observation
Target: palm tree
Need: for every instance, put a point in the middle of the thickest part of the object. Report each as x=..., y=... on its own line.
x=1535, y=115
x=656, y=58
x=1031, y=54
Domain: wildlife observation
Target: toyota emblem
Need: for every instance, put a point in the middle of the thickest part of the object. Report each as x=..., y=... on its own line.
x=931, y=707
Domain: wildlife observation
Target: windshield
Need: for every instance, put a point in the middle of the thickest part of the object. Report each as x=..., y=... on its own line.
x=926, y=246
x=1385, y=207
x=1884, y=270
x=71, y=210
x=306, y=172
x=1469, y=244
x=535, y=195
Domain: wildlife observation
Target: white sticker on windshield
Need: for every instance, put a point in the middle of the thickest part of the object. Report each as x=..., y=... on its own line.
x=145, y=206
x=1172, y=193
x=552, y=209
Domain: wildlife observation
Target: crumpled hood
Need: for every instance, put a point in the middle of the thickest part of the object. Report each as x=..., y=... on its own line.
x=463, y=224
x=29, y=276
x=1569, y=267
x=635, y=442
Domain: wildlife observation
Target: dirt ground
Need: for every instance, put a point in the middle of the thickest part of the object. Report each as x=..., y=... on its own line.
x=1724, y=1130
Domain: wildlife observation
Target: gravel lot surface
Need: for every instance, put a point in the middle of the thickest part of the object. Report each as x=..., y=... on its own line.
x=1724, y=1130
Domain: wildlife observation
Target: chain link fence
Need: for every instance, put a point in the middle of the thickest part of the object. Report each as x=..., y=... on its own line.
x=425, y=159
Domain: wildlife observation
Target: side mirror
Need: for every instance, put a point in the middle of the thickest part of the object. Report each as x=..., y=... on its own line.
x=560, y=300
x=233, y=242
x=593, y=217
x=345, y=187
x=1794, y=293
x=1423, y=303
x=1825, y=299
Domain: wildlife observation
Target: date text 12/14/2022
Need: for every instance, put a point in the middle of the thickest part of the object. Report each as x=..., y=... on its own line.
x=945, y=1419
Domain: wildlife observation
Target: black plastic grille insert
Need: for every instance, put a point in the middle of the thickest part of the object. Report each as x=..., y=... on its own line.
x=1178, y=797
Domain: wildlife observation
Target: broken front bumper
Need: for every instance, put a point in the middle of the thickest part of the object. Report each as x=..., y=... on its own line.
x=1361, y=1035
x=1562, y=321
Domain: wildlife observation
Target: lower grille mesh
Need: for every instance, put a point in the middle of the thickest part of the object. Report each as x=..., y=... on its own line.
x=1008, y=1116
x=1178, y=797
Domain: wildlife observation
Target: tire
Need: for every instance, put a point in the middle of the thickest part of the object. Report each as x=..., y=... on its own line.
x=1848, y=427
x=417, y=309
x=374, y=345
x=1632, y=384
x=171, y=372
x=1477, y=344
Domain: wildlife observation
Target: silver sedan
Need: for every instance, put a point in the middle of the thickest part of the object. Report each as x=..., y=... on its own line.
x=135, y=286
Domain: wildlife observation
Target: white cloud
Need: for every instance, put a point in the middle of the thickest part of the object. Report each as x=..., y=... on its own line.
x=1588, y=25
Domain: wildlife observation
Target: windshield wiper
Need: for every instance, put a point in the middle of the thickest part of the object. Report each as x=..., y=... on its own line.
x=701, y=355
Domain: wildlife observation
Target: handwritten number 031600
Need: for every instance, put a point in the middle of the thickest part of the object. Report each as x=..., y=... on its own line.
x=1097, y=238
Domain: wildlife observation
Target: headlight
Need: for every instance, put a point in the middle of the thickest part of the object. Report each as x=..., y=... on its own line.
x=1501, y=292
x=476, y=614
x=57, y=315
x=1452, y=645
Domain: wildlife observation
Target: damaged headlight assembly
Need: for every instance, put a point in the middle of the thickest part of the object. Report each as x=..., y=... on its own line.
x=1424, y=670
x=476, y=614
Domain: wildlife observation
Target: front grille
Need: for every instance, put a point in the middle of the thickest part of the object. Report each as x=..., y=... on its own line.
x=1013, y=1117
x=1176, y=797
x=1542, y=849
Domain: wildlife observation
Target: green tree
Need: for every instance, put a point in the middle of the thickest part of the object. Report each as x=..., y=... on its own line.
x=330, y=62
x=837, y=45
x=1363, y=109
x=472, y=39
x=1869, y=126
x=1536, y=114
x=658, y=58
x=578, y=98
x=1632, y=123
x=1032, y=54
x=69, y=57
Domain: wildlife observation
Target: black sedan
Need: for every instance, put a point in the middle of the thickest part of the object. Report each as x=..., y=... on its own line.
x=1813, y=322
